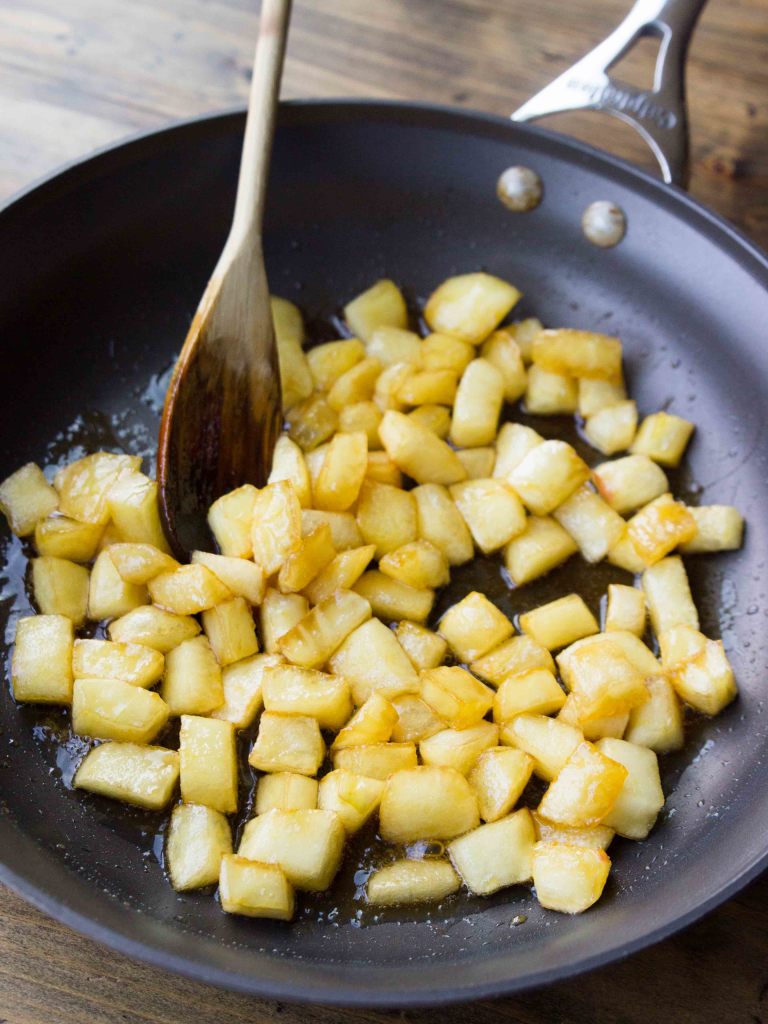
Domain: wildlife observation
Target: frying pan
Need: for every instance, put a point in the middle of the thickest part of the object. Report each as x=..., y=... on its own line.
x=101, y=267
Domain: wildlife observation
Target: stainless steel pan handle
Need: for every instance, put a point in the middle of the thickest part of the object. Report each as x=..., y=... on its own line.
x=658, y=114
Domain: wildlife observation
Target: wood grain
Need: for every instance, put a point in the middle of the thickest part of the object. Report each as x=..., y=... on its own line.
x=80, y=74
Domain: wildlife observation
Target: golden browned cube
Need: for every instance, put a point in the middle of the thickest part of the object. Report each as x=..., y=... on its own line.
x=474, y=626
x=41, y=667
x=427, y=803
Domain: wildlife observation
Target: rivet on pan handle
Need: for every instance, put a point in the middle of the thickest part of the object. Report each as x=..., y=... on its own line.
x=658, y=114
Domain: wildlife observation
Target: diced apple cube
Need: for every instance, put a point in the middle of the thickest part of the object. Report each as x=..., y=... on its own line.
x=596, y=395
x=705, y=679
x=459, y=748
x=416, y=720
x=314, y=638
x=503, y=352
x=641, y=798
x=153, y=627
x=277, y=526
x=499, y=777
x=230, y=518
x=624, y=555
x=105, y=659
x=376, y=760
x=559, y=622
x=625, y=609
x=344, y=530
x=663, y=437
x=604, y=681
x=241, y=577
x=83, y=485
x=517, y=655
x=109, y=595
x=657, y=724
x=668, y=595
x=419, y=452
x=595, y=728
x=287, y=743
x=301, y=691
x=110, y=709
x=315, y=552
x=342, y=473
x=198, y=837
x=26, y=497
x=254, y=890
x=535, y=692
x=386, y=516
x=424, y=648
x=441, y=523
x=569, y=878
x=492, y=511
x=613, y=429
x=392, y=600
x=310, y=423
x=598, y=837
x=134, y=509
x=381, y=468
x=278, y=614
x=192, y=683
x=341, y=573
x=41, y=667
x=331, y=360
x=295, y=378
x=385, y=392
x=381, y=305
x=630, y=482
x=470, y=306
x=436, y=418
x=578, y=353
x=548, y=741
x=525, y=332
x=140, y=563
x=66, y=538
x=514, y=442
x=418, y=564
x=478, y=462
x=659, y=527
x=231, y=631
x=208, y=763
x=363, y=417
x=456, y=696
x=444, y=352
x=285, y=791
x=718, y=528
x=631, y=646
x=241, y=683
x=427, y=803
x=550, y=394
x=353, y=797
x=60, y=588
x=374, y=662
x=543, y=545
x=585, y=790
x=428, y=387
x=497, y=854
x=394, y=345
x=373, y=722
x=548, y=475
x=356, y=385
x=139, y=775
x=474, y=626
x=591, y=522
x=287, y=320
x=476, y=410
x=288, y=463
x=307, y=845
x=412, y=881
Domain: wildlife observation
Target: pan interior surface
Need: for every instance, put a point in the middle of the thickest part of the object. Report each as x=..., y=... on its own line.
x=101, y=271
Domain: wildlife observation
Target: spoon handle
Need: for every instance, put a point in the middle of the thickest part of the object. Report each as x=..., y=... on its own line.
x=260, y=124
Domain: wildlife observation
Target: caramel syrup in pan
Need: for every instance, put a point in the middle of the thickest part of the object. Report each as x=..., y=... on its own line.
x=63, y=750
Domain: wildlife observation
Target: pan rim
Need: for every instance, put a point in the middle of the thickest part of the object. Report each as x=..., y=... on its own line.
x=374, y=992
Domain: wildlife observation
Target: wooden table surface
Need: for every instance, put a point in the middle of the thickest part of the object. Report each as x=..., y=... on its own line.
x=80, y=74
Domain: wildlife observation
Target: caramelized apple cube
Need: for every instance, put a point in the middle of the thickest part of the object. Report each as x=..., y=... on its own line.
x=517, y=655
x=418, y=564
x=535, y=692
x=386, y=516
x=424, y=648
x=301, y=691
x=663, y=437
x=341, y=573
x=548, y=475
x=376, y=760
x=514, y=442
x=503, y=352
x=198, y=837
x=541, y=546
x=109, y=595
x=444, y=352
x=657, y=724
x=331, y=360
x=254, y=889
x=625, y=609
x=569, y=878
x=470, y=306
x=356, y=385
x=83, y=485
x=548, y=741
x=60, y=588
x=440, y=522
x=41, y=667
x=381, y=305
x=285, y=791
x=559, y=623
x=241, y=683
x=412, y=881
x=474, y=626
x=476, y=410
x=315, y=552
x=135, y=774
x=492, y=511
x=416, y=720
x=353, y=797
x=427, y=803
x=394, y=345
x=596, y=395
x=459, y=748
x=629, y=482
x=208, y=763
x=153, y=627
x=497, y=854
x=63, y=537
x=307, y=845
x=373, y=722
x=192, y=683
x=26, y=497
x=641, y=798
x=585, y=790
x=391, y=600
x=550, y=394
x=287, y=743
x=313, y=639
x=578, y=353
x=668, y=595
x=659, y=527
x=278, y=614
x=374, y=663
x=134, y=509
x=435, y=388
x=499, y=777
x=418, y=452
x=455, y=696
x=230, y=518
x=311, y=422
x=591, y=522
x=478, y=462
x=613, y=429
x=109, y=709
x=105, y=659
x=288, y=463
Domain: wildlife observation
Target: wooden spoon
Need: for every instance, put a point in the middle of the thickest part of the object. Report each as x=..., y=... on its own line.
x=222, y=410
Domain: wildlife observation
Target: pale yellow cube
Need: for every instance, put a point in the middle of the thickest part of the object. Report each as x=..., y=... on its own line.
x=41, y=667
x=192, y=683
x=550, y=394
x=478, y=462
x=474, y=626
x=295, y=378
x=548, y=475
x=135, y=774
x=287, y=320
x=287, y=743
x=456, y=696
x=630, y=645
x=307, y=844
x=641, y=798
x=241, y=577
x=428, y=387
x=288, y=463
x=356, y=385
x=503, y=352
x=476, y=410
x=374, y=662
x=311, y=422
x=427, y=803
x=630, y=482
x=278, y=614
x=418, y=452
x=517, y=655
x=657, y=724
x=376, y=760
x=604, y=680
x=241, y=684
x=436, y=418
x=416, y=720
x=592, y=523
x=285, y=791
x=314, y=553
x=153, y=627
x=535, y=692
x=569, y=878
x=705, y=680
x=353, y=797
x=363, y=417
x=498, y=778
x=668, y=595
x=254, y=889
x=470, y=306
x=497, y=854
x=548, y=741
x=595, y=395
x=341, y=573
x=514, y=442
x=585, y=790
x=373, y=722
x=105, y=659
x=276, y=529
x=134, y=509
x=83, y=485
x=109, y=595
x=331, y=360
x=578, y=353
x=718, y=528
x=444, y=352
x=459, y=748
x=387, y=386
x=230, y=518
x=412, y=881
x=139, y=563
x=392, y=600
x=424, y=648
x=542, y=546
x=342, y=472
x=208, y=763
x=299, y=691
x=197, y=838
x=386, y=516
x=492, y=511
x=66, y=538
x=525, y=332
x=381, y=305
x=188, y=590
x=110, y=709
x=419, y=564
x=25, y=498
x=231, y=631
x=312, y=641
x=613, y=429
x=394, y=345
x=441, y=523
x=663, y=437
x=381, y=468
x=624, y=555
x=625, y=609
x=60, y=588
